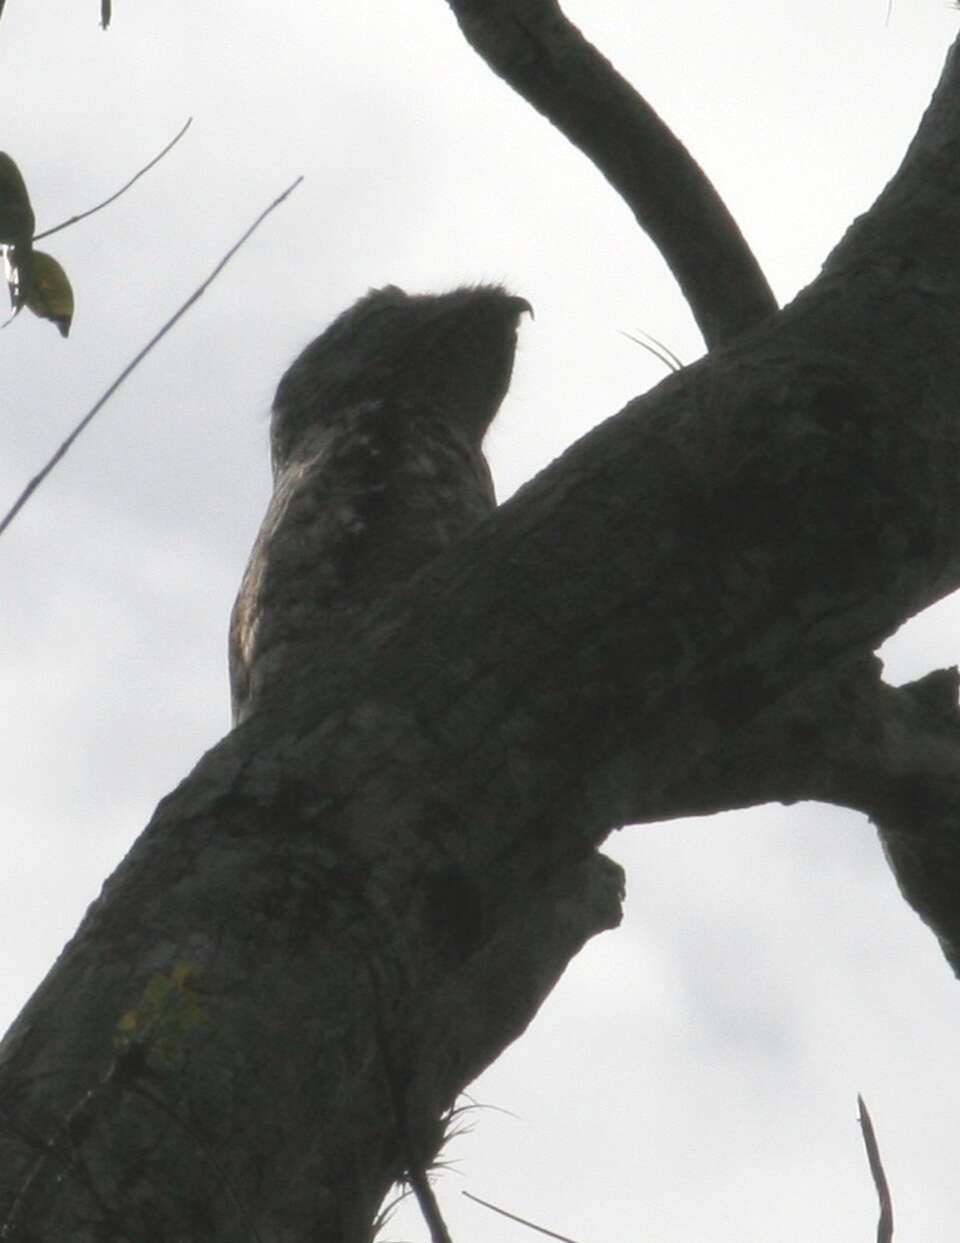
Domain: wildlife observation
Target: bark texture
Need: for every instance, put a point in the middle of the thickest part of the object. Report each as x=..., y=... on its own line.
x=363, y=898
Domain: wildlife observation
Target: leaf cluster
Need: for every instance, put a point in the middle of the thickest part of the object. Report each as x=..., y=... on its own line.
x=35, y=280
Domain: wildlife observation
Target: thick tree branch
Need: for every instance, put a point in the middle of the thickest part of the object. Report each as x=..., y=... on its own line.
x=845, y=737
x=545, y=58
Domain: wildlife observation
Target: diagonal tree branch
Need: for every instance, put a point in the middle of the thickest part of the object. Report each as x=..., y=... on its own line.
x=137, y=359
x=545, y=58
x=91, y=211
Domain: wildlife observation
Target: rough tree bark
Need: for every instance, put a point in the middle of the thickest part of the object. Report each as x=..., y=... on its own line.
x=348, y=909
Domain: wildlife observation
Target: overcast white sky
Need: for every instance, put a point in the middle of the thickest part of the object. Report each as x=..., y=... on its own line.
x=694, y=1074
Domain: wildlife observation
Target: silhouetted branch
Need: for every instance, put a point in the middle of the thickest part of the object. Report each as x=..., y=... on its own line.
x=123, y=189
x=885, y=1224
x=522, y=1220
x=545, y=58
x=137, y=359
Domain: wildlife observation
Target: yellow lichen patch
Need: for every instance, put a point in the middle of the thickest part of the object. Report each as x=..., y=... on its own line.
x=171, y=1012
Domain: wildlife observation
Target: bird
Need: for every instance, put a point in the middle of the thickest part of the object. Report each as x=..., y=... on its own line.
x=376, y=436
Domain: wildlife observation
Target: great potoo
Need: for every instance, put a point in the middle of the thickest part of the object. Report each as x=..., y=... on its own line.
x=375, y=440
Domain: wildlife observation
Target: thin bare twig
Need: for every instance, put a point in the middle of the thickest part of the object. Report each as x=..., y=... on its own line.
x=138, y=358
x=415, y=1168
x=885, y=1224
x=522, y=1220
x=660, y=351
x=427, y=1203
x=123, y=189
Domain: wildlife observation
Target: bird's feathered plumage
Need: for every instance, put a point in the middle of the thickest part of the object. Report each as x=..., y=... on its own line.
x=376, y=439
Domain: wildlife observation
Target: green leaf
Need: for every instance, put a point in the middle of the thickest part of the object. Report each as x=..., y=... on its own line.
x=17, y=223
x=47, y=291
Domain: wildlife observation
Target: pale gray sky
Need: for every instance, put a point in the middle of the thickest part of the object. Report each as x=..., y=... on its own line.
x=694, y=1075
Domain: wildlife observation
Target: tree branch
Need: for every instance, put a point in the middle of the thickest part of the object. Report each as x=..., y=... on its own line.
x=885, y=1224
x=689, y=595
x=533, y=47
x=138, y=358
x=65, y=224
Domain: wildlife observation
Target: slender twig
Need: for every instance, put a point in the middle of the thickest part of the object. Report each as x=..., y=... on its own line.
x=123, y=189
x=138, y=358
x=522, y=1220
x=885, y=1223
x=427, y=1202
x=414, y=1166
x=660, y=351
